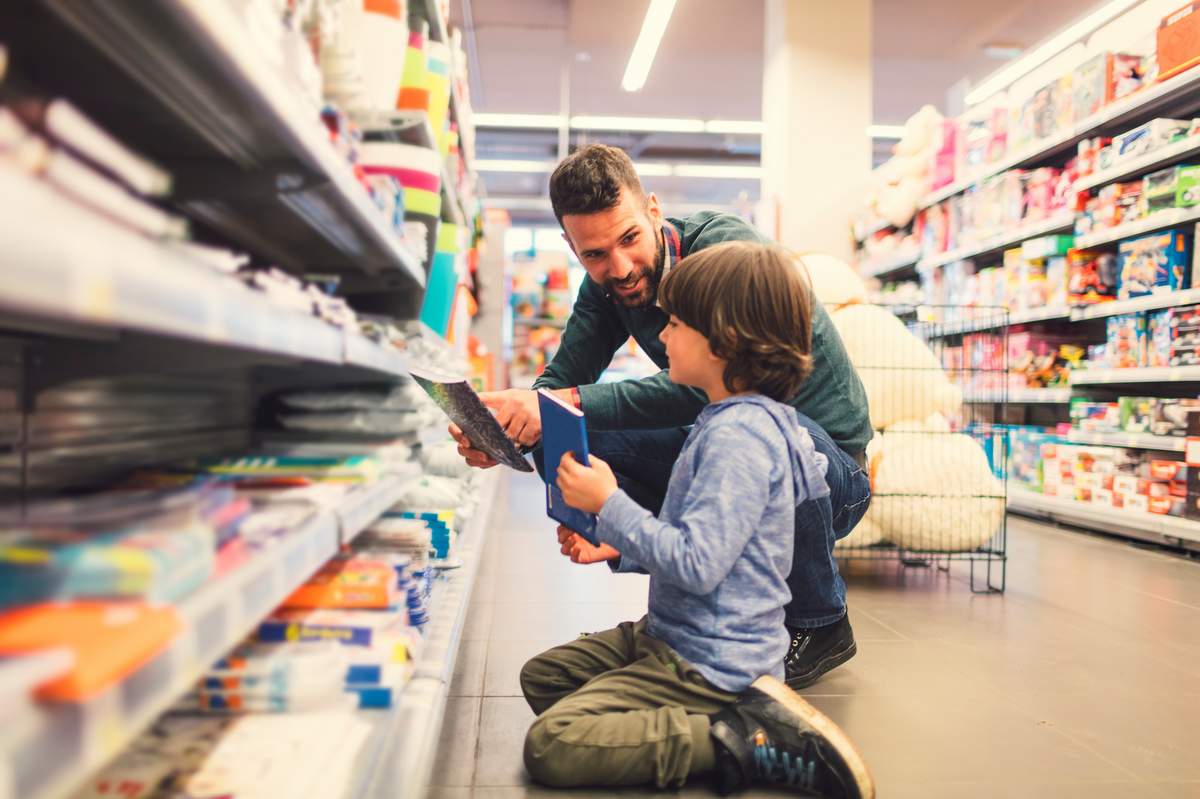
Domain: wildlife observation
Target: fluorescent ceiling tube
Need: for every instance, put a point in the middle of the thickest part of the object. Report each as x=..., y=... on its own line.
x=651, y=170
x=1007, y=75
x=734, y=126
x=650, y=124
x=718, y=171
x=653, y=27
x=517, y=120
x=647, y=124
x=504, y=165
x=886, y=131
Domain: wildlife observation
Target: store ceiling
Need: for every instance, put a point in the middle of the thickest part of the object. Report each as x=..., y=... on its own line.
x=709, y=65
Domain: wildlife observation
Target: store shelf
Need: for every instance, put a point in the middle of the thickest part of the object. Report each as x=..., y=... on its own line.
x=539, y=321
x=400, y=759
x=897, y=262
x=251, y=158
x=413, y=127
x=439, y=32
x=122, y=280
x=1131, y=440
x=957, y=328
x=1168, y=529
x=1029, y=396
x=1157, y=374
x=1148, y=303
x=1138, y=167
x=994, y=244
x=53, y=750
x=1156, y=221
x=1181, y=92
x=864, y=232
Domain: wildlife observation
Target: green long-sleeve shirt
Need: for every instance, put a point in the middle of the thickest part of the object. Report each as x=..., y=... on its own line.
x=832, y=396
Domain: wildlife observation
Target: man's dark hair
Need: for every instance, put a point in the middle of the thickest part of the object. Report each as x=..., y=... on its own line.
x=590, y=180
x=754, y=306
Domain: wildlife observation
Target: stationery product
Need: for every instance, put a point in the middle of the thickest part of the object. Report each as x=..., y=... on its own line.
x=347, y=583
x=359, y=629
x=459, y=401
x=108, y=641
x=564, y=430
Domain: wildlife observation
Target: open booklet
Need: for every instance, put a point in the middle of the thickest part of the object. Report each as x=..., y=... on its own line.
x=564, y=430
x=455, y=396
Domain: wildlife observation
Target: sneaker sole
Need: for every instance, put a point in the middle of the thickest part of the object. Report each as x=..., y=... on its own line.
x=823, y=666
x=826, y=727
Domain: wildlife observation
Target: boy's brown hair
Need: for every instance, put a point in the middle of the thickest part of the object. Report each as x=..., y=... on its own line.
x=753, y=304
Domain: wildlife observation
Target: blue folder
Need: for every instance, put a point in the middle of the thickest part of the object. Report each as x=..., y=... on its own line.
x=563, y=430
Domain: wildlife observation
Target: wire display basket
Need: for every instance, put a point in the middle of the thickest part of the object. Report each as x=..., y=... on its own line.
x=937, y=380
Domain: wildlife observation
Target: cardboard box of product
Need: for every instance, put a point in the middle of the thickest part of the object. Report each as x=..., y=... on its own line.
x=1154, y=264
x=1191, y=457
x=1125, y=347
x=1137, y=502
x=1102, y=497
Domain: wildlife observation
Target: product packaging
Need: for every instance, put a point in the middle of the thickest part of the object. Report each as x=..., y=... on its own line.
x=1154, y=264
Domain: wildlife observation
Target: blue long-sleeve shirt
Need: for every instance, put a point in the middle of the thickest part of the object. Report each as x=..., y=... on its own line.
x=720, y=551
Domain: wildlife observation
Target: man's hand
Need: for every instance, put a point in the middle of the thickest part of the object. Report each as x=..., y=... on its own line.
x=577, y=548
x=474, y=457
x=585, y=487
x=517, y=412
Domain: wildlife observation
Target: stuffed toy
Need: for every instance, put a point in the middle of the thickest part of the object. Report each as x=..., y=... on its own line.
x=902, y=376
x=833, y=282
x=932, y=490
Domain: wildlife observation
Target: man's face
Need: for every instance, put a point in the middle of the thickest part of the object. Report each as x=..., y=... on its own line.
x=621, y=248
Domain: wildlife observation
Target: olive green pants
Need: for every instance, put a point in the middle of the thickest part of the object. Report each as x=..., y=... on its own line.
x=618, y=708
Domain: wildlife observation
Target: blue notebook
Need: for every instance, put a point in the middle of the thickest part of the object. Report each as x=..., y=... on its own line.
x=563, y=430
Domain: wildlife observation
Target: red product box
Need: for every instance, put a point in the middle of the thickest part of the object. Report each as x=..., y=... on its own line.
x=1178, y=40
x=1179, y=489
x=1168, y=470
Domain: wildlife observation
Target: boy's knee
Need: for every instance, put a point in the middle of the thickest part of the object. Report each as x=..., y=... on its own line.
x=534, y=676
x=543, y=760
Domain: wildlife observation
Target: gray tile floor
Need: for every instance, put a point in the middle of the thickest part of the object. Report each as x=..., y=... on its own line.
x=1083, y=680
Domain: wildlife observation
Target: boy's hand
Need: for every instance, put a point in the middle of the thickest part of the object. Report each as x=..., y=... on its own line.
x=474, y=457
x=585, y=487
x=579, y=550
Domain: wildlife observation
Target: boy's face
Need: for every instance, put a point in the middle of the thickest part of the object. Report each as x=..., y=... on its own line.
x=692, y=362
x=621, y=248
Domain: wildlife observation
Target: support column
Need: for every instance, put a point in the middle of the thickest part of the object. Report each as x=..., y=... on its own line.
x=816, y=108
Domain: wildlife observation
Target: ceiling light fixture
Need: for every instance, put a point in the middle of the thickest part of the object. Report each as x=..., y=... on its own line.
x=506, y=165
x=1007, y=75
x=885, y=131
x=641, y=124
x=484, y=120
x=653, y=27
x=749, y=126
x=718, y=171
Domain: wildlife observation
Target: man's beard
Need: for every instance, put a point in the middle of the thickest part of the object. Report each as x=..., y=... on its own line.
x=653, y=276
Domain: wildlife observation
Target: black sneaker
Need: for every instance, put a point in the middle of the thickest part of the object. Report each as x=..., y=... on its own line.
x=815, y=651
x=770, y=736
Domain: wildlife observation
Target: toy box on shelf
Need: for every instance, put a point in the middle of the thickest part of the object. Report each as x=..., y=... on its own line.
x=1154, y=264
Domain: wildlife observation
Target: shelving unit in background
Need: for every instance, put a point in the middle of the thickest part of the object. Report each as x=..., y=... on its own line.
x=1178, y=98
x=999, y=243
x=1177, y=95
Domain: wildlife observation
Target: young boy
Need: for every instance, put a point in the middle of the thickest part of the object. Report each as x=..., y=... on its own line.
x=696, y=686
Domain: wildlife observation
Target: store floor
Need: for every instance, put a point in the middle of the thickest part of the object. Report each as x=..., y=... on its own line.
x=1083, y=680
